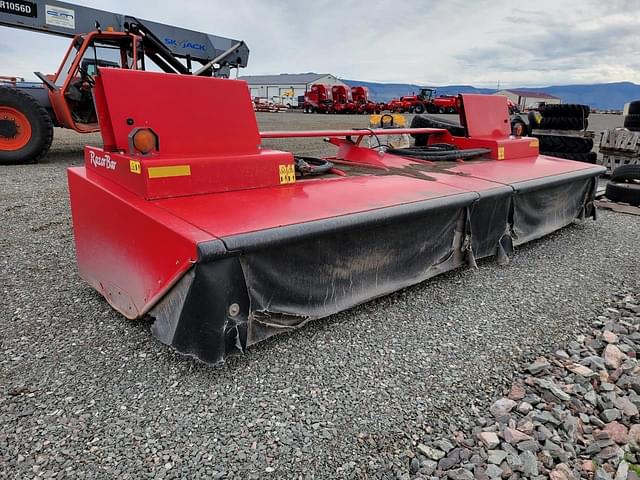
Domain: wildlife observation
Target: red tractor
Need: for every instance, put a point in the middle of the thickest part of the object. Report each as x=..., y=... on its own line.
x=318, y=99
x=428, y=102
x=402, y=104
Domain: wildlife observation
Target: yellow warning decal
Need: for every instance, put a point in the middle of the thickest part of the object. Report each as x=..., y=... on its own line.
x=534, y=143
x=500, y=153
x=134, y=167
x=287, y=174
x=170, y=171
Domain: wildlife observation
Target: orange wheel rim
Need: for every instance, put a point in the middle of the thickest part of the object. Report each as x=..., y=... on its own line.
x=19, y=130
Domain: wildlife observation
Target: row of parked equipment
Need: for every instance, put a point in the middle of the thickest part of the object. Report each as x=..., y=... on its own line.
x=323, y=98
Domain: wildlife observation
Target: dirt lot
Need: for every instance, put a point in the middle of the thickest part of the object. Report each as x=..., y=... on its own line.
x=85, y=393
x=67, y=145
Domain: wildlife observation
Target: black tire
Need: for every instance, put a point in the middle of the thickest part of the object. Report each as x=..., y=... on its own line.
x=626, y=172
x=558, y=143
x=632, y=122
x=525, y=129
x=589, y=157
x=623, y=192
x=634, y=107
x=428, y=121
x=418, y=109
x=431, y=108
x=563, y=123
x=40, y=122
x=565, y=110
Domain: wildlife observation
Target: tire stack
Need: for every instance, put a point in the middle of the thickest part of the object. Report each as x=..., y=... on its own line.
x=624, y=185
x=565, y=124
x=632, y=118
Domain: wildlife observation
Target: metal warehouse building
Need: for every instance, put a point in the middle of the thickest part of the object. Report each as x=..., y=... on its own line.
x=524, y=98
x=286, y=87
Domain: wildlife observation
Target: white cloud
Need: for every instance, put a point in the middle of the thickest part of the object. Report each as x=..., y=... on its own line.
x=455, y=42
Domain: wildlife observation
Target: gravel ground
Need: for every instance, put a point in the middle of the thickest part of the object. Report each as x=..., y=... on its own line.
x=87, y=393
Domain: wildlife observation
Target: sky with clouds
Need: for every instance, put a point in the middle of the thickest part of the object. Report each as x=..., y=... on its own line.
x=480, y=43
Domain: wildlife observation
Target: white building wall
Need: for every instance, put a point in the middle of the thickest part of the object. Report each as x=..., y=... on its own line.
x=288, y=94
x=524, y=102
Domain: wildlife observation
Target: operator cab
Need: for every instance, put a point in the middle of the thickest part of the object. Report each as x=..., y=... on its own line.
x=72, y=86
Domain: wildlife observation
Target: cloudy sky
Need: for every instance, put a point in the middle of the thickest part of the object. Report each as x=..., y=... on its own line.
x=480, y=43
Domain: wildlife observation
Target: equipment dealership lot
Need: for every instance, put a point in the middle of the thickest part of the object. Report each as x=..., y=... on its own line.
x=85, y=390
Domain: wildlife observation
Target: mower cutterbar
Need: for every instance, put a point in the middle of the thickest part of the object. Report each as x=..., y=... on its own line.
x=184, y=217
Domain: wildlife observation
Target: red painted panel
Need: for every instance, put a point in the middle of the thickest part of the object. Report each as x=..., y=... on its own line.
x=520, y=169
x=486, y=115
x=206, y=174
x=191, y=115
x=127, y=249
x=232, y=213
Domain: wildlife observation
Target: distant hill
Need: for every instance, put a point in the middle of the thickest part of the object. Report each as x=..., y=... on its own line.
x=603, y=96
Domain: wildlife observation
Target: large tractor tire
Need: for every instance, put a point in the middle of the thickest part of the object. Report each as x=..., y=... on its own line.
x=563, y=123
x=557, y=143
x=565, y=110
x=634, y=107
x=632, y=122
x=428, y=121
x=418, y=109
x=623, y=193
x=626, y=173
x=26, y=129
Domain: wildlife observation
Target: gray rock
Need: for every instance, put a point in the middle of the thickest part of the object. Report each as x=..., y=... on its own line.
x=489, y=439
x=502, y=407
x=610, y=414
x=428, y=467
x=538, y=366
x=444, y=445
x=450, y=460
x=493, y=471
x=513, y=461
x=601, y=474
x=545, y=417
x=553, y=388
x=460, y=474
x=524, y=407
x=529, y=445
x=414, y=465
x=623, y=471
x=591, y=397
x=627, y=407
x=430, y=452
x=609, y=452
x=496, y=457
x=529, y=464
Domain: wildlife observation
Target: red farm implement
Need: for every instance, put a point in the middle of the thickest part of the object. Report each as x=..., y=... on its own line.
x=224, y=243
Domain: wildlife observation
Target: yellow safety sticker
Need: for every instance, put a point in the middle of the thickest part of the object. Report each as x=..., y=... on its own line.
x=534, y=143
x=169, y=171
x=134, y=167
x=287, y=174
x=500, y=153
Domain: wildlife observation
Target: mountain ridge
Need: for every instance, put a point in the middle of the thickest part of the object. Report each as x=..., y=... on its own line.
x=603, y=96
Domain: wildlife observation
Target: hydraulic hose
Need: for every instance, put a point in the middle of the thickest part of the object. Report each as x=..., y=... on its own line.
x=439, y=152
x=312, y=166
